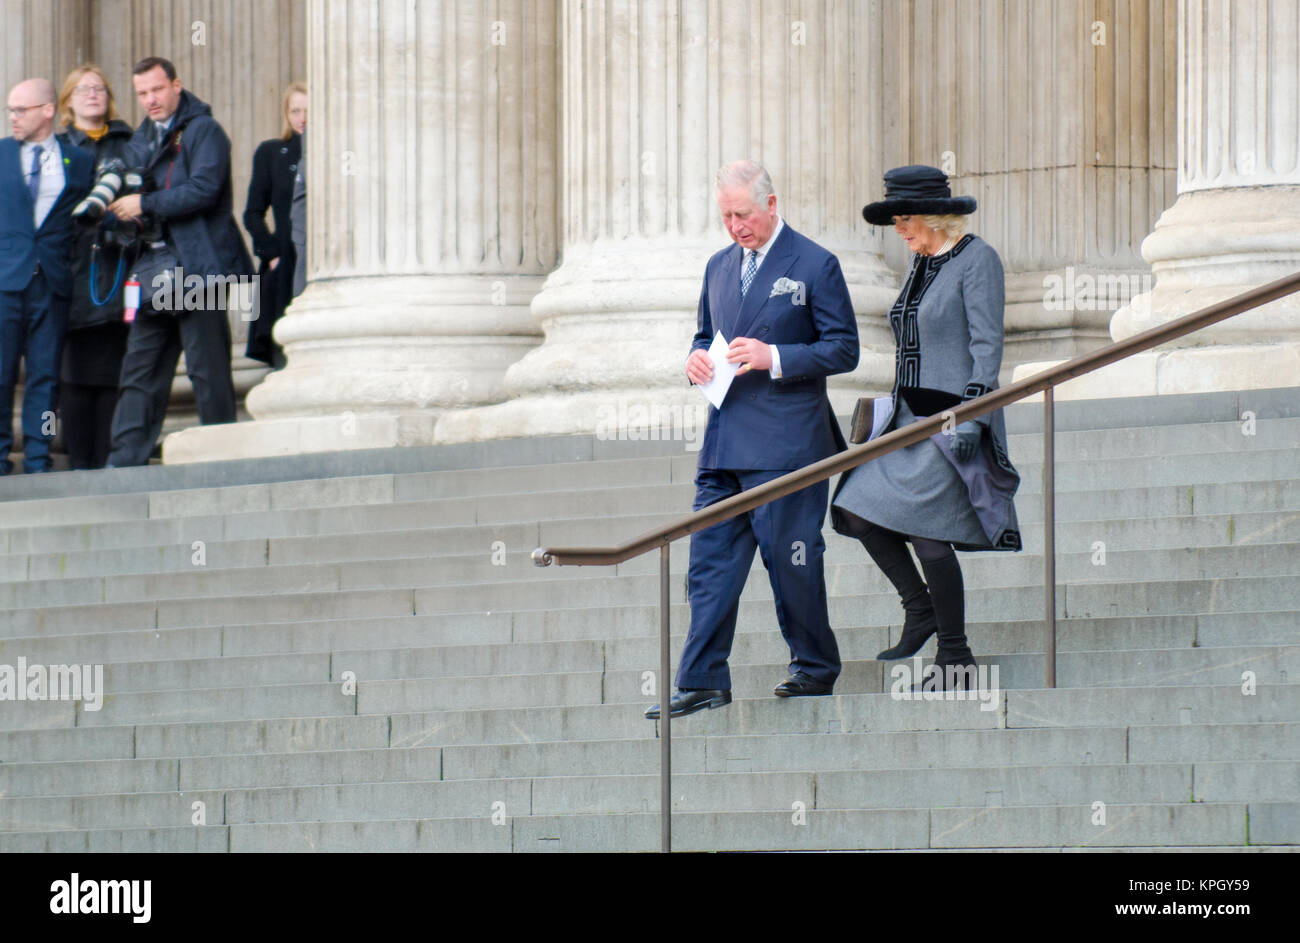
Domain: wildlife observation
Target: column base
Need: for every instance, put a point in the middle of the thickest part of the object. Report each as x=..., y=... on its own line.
x=270, y=438
x=1185, y=370
x=650, y=413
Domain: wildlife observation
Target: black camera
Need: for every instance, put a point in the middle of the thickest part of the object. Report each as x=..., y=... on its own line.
x=115, y=179
x=122, y=240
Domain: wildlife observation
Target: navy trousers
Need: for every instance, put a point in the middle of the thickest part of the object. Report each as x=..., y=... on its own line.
x=32, y=324
x=788, y=535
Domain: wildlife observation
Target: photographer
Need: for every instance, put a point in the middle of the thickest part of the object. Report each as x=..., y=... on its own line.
x=96, y=338
x=185, y=219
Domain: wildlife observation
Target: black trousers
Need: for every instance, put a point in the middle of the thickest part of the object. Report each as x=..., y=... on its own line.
x=152, y=350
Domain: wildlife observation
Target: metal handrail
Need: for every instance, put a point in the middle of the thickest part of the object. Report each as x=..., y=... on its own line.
x=1045, y=382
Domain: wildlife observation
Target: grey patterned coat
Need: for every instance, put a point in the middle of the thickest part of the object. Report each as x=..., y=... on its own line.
x=948, y=328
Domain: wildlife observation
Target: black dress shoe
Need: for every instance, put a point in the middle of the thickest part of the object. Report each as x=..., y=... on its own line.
x=801, y=685
x=688, y=702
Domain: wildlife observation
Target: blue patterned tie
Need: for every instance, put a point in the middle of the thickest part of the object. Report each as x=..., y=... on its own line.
x=751, y=269
x=34, y=181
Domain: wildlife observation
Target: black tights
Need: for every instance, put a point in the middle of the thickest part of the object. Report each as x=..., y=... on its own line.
x=943, y=580
x=926, y=549
x=87, y=413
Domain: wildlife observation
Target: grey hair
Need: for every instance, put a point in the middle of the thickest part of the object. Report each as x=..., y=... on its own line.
x=738, y=173
x=952, y=225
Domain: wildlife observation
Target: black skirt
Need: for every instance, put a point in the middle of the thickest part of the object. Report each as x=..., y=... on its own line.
x=92, y=356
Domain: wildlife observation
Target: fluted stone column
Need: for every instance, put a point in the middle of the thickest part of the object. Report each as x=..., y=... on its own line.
x=657, y=95
x=1057, y=116
x=1236, y=222
x=42, y=40
x=431, y=168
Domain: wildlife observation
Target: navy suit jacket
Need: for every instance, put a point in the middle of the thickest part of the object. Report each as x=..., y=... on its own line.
x=787, y=423
x=21, y=244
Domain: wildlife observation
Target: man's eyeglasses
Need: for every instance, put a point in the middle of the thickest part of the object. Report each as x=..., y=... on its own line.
x=19, y=112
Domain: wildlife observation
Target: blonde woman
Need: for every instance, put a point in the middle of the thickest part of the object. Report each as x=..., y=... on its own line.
x=96, y=338
x=953, y=491
x=275, y=165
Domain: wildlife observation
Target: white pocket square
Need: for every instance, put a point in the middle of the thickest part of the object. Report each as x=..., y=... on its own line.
x=784, y=286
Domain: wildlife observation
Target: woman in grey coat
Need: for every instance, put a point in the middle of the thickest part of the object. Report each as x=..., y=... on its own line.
x=955, y=490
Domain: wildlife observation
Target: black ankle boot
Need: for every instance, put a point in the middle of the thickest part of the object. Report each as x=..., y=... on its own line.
x=889, y=552
x=919, y=624
x=948, y=596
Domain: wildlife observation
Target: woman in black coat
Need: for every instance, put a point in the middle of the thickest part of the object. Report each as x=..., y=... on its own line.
x=275, y=164
x=96, y=339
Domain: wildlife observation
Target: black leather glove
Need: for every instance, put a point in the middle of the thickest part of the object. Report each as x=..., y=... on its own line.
x=966, y=441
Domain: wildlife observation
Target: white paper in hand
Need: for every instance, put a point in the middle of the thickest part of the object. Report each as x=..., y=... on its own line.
x=723, y=372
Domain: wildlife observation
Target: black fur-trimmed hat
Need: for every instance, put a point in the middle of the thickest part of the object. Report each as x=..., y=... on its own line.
x=916, y=190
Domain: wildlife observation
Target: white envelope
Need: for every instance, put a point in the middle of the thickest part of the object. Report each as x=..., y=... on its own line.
x=723, y=372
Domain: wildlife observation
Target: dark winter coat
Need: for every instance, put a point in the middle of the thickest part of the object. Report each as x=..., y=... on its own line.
x=275, y=165
x=82, y=312
x=191, y=192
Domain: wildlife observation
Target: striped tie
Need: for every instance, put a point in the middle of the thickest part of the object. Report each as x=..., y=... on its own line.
x=751, y=269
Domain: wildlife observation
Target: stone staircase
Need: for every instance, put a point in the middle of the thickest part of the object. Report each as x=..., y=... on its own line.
x=354, y=652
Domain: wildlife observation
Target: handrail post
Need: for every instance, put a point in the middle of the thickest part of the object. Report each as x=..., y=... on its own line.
x=665, y=710
x=1049, y=532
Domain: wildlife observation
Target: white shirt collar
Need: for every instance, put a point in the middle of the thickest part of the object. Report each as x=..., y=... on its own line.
x=50, y=144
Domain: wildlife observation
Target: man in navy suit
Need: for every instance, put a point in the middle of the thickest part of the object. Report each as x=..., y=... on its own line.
x=780, y=301
x=42, y=177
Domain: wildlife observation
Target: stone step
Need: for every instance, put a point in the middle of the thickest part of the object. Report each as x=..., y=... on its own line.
x=513, y=544
x=322, y=699
x=1136, y=442
x=478, y=576
x=1114, y=503
x=283, y=787
x=754, y=629
x=1029, y=827
x=1019, y=663
x=1163, y=444
x=1271, y=665
x=1023, y=601
x=293, y=684
x=839, y=713
x=941, y=752
x=597, y=612
x=396, y=783
x=531, y=658
x=422, y=835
